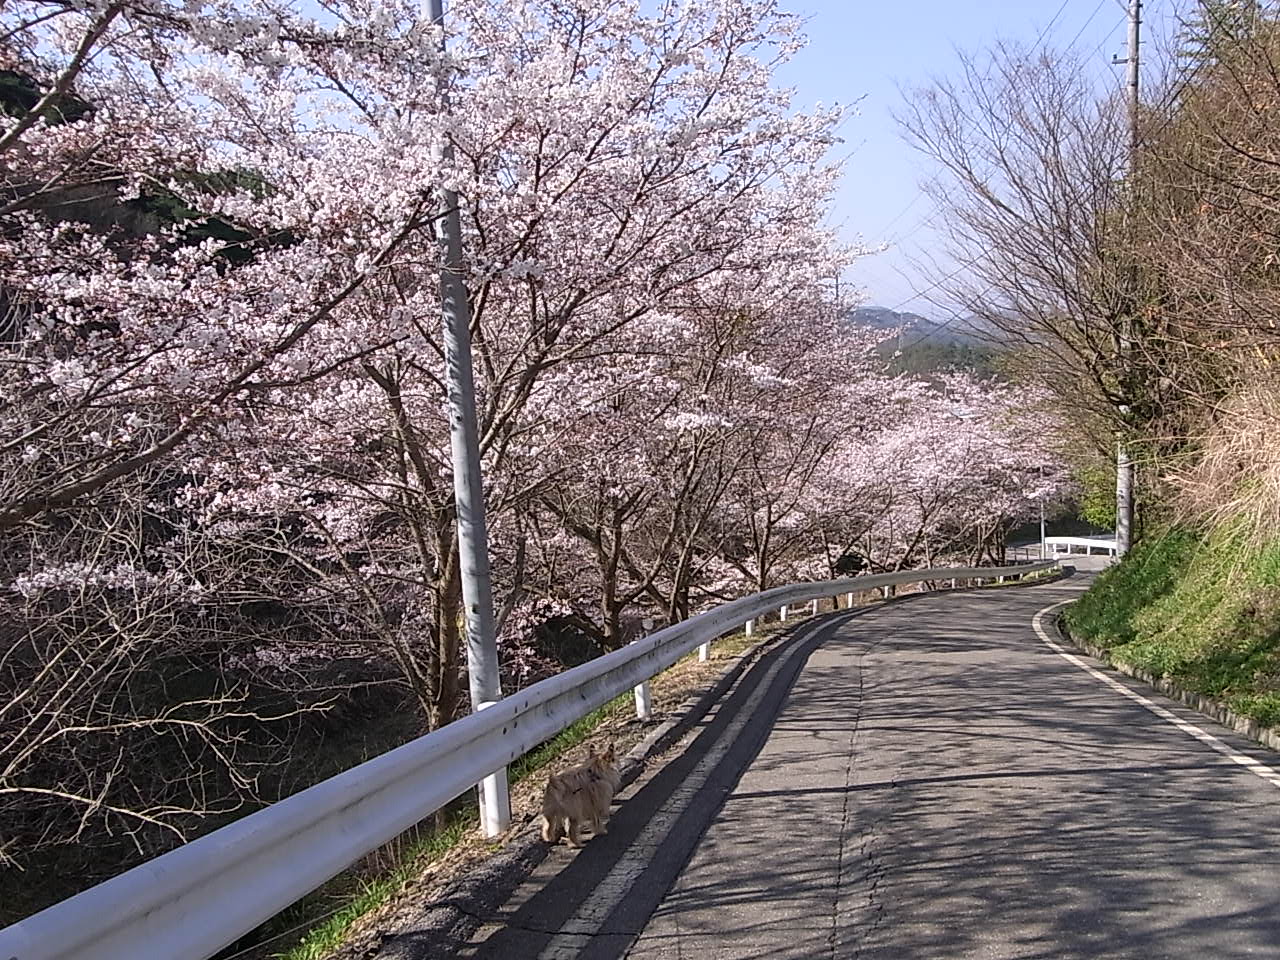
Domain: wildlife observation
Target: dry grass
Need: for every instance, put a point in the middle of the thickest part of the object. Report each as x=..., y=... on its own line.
x=1233, y=479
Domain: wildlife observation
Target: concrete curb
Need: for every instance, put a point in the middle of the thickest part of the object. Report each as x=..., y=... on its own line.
x=1215, y=709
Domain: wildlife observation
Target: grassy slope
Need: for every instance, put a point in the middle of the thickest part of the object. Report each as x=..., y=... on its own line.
x=1202, y=610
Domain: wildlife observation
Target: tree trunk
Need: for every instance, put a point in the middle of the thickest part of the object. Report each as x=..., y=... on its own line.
x=448, y=642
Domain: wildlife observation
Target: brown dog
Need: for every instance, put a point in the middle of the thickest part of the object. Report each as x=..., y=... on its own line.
x=581, y=794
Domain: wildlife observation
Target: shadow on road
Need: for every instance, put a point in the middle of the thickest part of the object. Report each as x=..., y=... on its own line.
x=546, y=904
x=999, y=803
x=996, y=802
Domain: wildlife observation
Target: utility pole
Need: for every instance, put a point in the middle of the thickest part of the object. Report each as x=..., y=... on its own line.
x=1135, y=24
x=468, y=485
x=1124, y=460
x=1042, y=527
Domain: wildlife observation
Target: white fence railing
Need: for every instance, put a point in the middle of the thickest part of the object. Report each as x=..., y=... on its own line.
x=1088, y=543
x=1054, y=546
x=197, y=899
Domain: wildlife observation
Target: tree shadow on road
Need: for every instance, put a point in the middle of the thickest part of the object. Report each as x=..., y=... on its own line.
x=999, y=806
x=547, y=902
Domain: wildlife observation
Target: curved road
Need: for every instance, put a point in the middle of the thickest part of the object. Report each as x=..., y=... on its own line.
x=927, y=779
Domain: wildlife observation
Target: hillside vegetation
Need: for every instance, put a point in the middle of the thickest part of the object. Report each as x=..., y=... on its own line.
x=1143, y=291
x=1202, y=610
x=1200, y=601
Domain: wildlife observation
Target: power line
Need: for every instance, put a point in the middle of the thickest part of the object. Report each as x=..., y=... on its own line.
x=919, y=225
x=1099, y=76
x=1080, y=32
x=1191, y=75
x=1171, y=101
x=1045, y=32
x=934, y=286
x=901, y=213
x=946, y=323
x=965, y=265
x=1107, y=39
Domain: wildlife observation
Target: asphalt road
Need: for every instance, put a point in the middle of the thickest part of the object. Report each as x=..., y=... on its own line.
x=930, y=780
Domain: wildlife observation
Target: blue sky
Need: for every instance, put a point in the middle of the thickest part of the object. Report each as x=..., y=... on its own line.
x=859, y=49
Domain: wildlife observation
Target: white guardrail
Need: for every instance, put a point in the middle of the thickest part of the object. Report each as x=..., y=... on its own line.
x=193, y=901
x=1031, y=551
x=1089, y=544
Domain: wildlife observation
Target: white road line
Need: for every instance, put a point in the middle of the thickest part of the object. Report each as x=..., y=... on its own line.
x=590, y=916
x=1270, y=774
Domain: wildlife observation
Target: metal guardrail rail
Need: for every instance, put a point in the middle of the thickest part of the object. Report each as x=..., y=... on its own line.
x=193, y=901
x=1052, y=545
x=1089, y=544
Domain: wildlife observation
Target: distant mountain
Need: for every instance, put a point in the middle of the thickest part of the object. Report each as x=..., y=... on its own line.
x=960, y=330
x=925, y=347
x=882, y=318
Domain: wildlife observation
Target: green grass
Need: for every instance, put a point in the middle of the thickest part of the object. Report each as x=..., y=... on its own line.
x=567, y=739
x=1105, y=614
x=1203, y=610
x=369, y=894
x=737, y=644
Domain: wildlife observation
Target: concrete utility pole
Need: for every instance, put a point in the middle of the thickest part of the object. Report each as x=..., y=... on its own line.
x=1042, y=529
x=1124, y=462
x=468, y=485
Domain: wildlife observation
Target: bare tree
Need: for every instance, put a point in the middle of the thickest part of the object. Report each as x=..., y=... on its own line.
x=1212, y=219
x=1035, y=205
x=133, y=711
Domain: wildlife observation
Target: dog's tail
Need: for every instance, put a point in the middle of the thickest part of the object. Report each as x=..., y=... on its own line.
x=553, y=811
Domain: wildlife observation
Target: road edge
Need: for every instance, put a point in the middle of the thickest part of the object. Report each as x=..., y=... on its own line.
x=1216, y=710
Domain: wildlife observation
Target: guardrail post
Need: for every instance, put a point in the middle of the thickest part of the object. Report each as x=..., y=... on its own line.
x=495, y=800
x=750, y=627
x=813, y=607
x=782, y=613
x=848, y=600
x=953, y=583
x=704, y=652
x=644, y=706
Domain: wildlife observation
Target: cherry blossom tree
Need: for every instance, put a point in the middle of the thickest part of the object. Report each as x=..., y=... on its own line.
x=616, y=167
x=224, y=452
x=189, y=225
x=955, y=466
